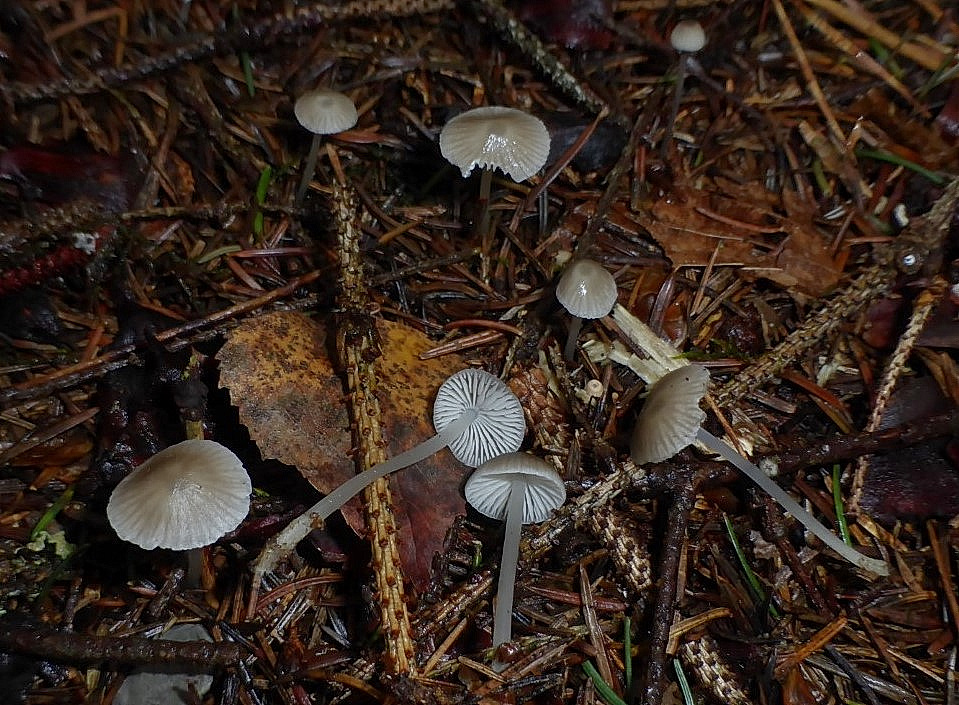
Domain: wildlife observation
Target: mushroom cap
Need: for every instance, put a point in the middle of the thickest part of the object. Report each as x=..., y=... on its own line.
x=488, y=488
x=688, y=36
x=186, y=496
x=671, y=415
x=325, y=112
x=586, y=289
x=499, y=426
x=496, y=137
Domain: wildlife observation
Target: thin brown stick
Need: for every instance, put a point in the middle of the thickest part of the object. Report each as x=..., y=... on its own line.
x=67, y=647
x=75, y=374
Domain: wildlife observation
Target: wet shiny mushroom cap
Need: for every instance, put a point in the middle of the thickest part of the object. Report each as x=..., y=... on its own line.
x=495, y=137
x=184, y=497
x=671, y=415
x=325, y=112
x=587, y=290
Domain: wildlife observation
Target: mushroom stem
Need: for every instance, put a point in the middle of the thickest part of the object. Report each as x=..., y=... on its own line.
x=486, y=186
x=790, y=505
x=194, y=568
x=285, y=541
x=575, y=326
x=308, y=170
x=677, y=100
x=503, y=616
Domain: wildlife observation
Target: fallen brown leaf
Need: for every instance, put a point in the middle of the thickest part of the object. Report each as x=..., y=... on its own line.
x=280, y=376
x=689, y=228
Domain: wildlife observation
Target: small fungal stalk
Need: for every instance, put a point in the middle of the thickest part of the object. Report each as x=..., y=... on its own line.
x=782, y=497
x=520, y=489
x=494, y=137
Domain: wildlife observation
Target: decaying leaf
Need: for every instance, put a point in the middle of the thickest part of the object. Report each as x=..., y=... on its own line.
x=902, y=133
x=280, y=376
x=278, y=371
x=749, y=233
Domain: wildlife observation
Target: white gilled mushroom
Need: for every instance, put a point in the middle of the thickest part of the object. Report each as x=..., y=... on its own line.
x=671, y=415
x=322, y=112
x=522, y=489
x=183, y=498
x=586, y=290
x=687, y=37
x=475, y=414
x=186, y=496
x=495, y=137
x=671, y=420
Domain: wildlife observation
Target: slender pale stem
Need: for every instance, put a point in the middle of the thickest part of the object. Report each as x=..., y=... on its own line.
x=285, y=541
x=790, y=505
x=575, y=326
x=194, y=567
x=308, y=170
x=503, y=617
x=677, y=100
x=486, y=185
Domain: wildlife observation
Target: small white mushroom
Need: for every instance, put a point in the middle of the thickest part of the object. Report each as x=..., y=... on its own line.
x=475, y=414
x=184, y=497
x=688, y=36
x=322, y=112
x=325, y=112
x=671, y=420
x=495, y=137
x=671, y=415
x=586, y=290
x=522, y=489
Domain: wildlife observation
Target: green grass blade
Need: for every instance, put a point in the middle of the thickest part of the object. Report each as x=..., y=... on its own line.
x=744, y=564
x=602, y=687
x=683, y=683
x=838, y=504
x=52, y=512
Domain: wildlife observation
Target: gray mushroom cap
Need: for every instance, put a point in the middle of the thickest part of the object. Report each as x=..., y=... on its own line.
x=186, y=496
x=499, y=426
x=671, y=415
x=498, y=138
x=488, y=488
x=688, y=36
x=325, y=112
x=587, y=289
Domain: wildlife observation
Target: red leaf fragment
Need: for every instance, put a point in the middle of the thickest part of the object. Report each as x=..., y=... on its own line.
x=57, y=177
x=576, y=24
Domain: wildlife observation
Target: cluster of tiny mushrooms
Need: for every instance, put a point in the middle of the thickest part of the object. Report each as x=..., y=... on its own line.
x=475, y=414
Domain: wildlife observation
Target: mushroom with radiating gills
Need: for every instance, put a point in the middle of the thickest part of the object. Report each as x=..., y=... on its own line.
x=586, y=290
x=671, y=420
x=495, y=137
x=475, y=414
x=522, y=489
x=183, y=498
x=687, y=38
x=323, y=112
